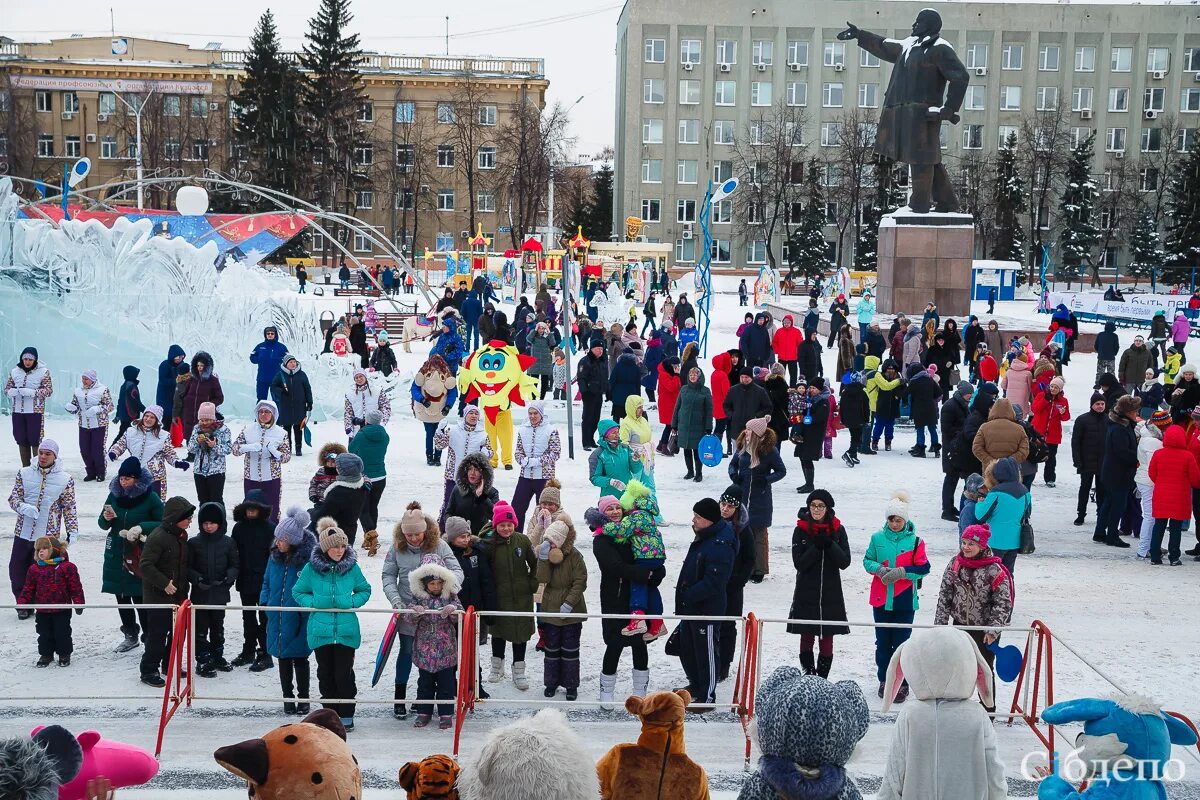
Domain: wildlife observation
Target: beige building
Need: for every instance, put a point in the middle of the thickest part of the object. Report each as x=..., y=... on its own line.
x=691, y=77
x=76, y=97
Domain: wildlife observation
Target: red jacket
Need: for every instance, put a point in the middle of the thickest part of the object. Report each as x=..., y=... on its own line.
x=668, y=393
x=787, y=339
x=718, y=381
x=55, y=583
x=989, y=370
x=1049, y=415
x=1174, y=473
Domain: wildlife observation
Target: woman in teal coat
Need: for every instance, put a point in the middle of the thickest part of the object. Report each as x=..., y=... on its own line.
x=332, y=579
x=692, y=420
x=612, y=465
x=287, y=631
x=131, y=511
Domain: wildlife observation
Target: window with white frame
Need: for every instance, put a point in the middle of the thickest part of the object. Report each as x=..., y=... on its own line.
x=405, y=200
x=831, y=212
x=361, y=243
x=43, y=100
x=762, y=51
x=974, y=100
x=1077, y=136
x=1012, y=55
x=976, y=55
x=1191, y=59
x=835, y=54
x=756, y=137
x=831, y=134
x=445, y=155
x=200, y=149
x=364, y=198
x=1151, y=140
x=726, y=51
x=1010, y=98
x=485, y=202
x=1148, y=179
x=651, y=170
x=689, y=92
x=972, y=137
x=73, y=148
x=1154, y=99
x=1121, y=59
x=755, y=213
x=1048, y=55
x=108, y=103
x=487, y=115
x=652, y=131
x=656, y=51
x=797, y=93
x=722, y=212
x=689, y=51
x=406, y=155
x=1115, y=140
x=651, y=211
x=722, y=131
x=1081, y=98
x=1189, y=100
x=1185, y=140
x=445, y=200
x=831, y=94
x=445, y=241
x=689, y=131
x=172, y=105
x=45, y=145
x=798, y=53
x=831, y=175
x=366, y=111
x=133, y=102
x=199, y=108
x=1005, y=131
x=756, y=251
x=1085, y=58
x=1158, y=59
x=131, y=148
x=108, y=147
x=1118, y=99
x=868, y=95
x=1047, y=98
x=720, y=251
x=760, y=93
x=722, y=171
x=406, y=112
x=794, y=134
x=685, y=250
x=70, y=102
x=686, y=170
x=445, y=113
x=654, y=90
x=725, y=93
x=867, y=59
x=685, y=211
x=487, y=157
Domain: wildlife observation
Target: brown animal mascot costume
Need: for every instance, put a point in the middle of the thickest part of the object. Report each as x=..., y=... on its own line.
x=657, y=766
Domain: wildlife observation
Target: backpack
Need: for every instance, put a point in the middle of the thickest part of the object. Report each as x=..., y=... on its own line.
x=1039, y=450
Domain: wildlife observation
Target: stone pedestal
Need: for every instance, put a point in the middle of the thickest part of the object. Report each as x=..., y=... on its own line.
x=925, y=257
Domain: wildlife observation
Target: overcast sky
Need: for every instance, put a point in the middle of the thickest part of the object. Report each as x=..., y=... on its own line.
x=576, y=38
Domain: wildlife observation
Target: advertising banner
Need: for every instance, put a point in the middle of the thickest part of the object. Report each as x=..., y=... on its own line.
x=1135, y=306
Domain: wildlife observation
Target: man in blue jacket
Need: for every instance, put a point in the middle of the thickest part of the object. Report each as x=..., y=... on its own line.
x=1107, y=348
x=268, y=355
x=701, y=590
x=472, y=310
x=169, y=369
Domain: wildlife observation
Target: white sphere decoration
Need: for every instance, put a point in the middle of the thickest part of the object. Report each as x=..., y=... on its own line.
x=191, y=201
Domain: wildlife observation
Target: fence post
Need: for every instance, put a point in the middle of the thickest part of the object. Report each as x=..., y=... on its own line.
x=177, y=689
x=467, y=673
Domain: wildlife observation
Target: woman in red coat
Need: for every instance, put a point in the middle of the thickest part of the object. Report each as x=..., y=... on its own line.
x=722, y=365
x=786, y=344
x=1174, y=473
x=1050, y=411
x=668, y=393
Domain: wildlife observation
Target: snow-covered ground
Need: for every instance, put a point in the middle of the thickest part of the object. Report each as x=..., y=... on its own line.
x=1129, y=620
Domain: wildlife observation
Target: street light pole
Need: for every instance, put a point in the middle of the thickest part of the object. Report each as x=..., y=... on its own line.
x=137, y=120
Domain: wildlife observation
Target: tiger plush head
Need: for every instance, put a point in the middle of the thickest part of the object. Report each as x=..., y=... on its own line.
x=432, y=778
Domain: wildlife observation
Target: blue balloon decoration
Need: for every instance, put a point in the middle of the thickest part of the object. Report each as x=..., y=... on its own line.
x=710, y=451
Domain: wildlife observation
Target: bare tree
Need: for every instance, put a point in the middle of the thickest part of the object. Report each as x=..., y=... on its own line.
x=975, y=177
x=1158, y=160
x=1045, y=140
x=181, y=135
x=769, y=156
x=403, y=167
x=529, y=143
x=18, y=137
x=1118, y=209
x=849, y=171
x=468, y=134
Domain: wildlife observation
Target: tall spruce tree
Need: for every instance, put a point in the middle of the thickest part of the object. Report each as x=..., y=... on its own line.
x=1077, y=209
x=599, y=217
x=1010, y=201
x=1146, y=254
x=269, y=124
x=332, y=94
x=808, y=252
x=1183, y=220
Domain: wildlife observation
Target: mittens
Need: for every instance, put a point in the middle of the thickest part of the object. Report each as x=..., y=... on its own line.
x=26, y=510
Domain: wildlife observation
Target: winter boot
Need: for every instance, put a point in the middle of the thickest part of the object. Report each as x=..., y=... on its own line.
x=637, y=625
x=371, y=543
x=445, y=722
x=823, y=665
x=806, y=662
x=849, y=459
x=874, y=451
x=437, y=458
x=887, y=445
x=608, y=690
x=936, y=449
x=518, y=676
x=699, y=473
x=690, y=475
x=243, y=658
x=302, y=707
x=855, y=458
x=399, y=710
x=262, y=662
x=918, y=451
x=131, y=640
x=641, y=682
x=497, y=673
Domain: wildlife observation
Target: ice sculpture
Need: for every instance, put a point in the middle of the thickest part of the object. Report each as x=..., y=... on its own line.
x=90, y=296
x=611, y=306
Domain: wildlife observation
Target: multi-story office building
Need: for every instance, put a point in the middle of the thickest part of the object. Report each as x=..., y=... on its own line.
x=691, y=77
x=77, y=97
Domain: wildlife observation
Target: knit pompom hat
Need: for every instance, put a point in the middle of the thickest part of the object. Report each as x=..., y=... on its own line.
x=291, y=528
x=1057, y=383
x=1161, y=419
x=552, y=493
x=898, y=505
x=557, y=532
x=732, y=496
x=979, y=534
x=503, y=512
x=206, y=411
x=329, y=535
x=413, y=519
x=758, y=425
x=455, y=527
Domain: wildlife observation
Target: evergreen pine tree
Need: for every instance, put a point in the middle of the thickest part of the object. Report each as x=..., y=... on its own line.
x=1146, y=254
x=1077, y=210
x=1010, y=201
x=599, y=218
x=808, y=252
x=268, y=124
x=1183, y=220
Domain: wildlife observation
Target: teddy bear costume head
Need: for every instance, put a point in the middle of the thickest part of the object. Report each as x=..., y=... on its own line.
x=432, y=778
x=807, y=729
x=537, y=758
x=657, y=765
x=308, y=759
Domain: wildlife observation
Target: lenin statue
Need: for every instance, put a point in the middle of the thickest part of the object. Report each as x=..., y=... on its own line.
x=916, y=103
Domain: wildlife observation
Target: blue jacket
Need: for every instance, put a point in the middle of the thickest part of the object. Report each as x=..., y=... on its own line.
x=287, y=631
x=168, y=371
x=688, y=335
x=450, y=347
x=755, y=345
x=268, y=356
x=472, y=309
x=1107, y=344
x=705, y=573
x=1003, y=508
x=654, y=356
x=670, y=346
x=625, y=379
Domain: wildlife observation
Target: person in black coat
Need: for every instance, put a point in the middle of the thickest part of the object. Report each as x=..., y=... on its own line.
x=212, y=571
x=345, y=498
x=755, y=343
x=875, y=342
x=924, y=393
x=1184, y=395
x=253, y=534
x=473, y=500
x=810, y=357
x=358, y=340
x=169, y=370
x=625, y=381
x=945, y=358
x=1110, y=386
x=963, y=457
x=1117, y=470
x=592, y=378
x=1087, y=453
x=293, y=396
x=854, y=410
x=758, y=443
x=1108, y=347
x=952, y=419
x=745, y=400
x=129, y=401
x=953, y=339
x=973, y=335
x=733, y=512
x=811, y=432
x=820, y=551
x=701, y=590
x=777, y=389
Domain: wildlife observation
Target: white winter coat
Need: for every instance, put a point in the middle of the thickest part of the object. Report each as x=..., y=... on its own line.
x=458, y=442
x=944, y=745
x=1149, y=442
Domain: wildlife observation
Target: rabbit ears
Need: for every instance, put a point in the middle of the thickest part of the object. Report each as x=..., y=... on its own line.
x=942, y=662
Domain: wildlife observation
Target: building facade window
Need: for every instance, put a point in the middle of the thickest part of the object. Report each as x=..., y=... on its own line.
x=1047, y=98
x=726, y=51
x=689, y=131
x=487, y=115
x=445, y=155
x=689, y=51
x=725, y=93
x=1048, y=55
x=1153, y=99
x=797, y=93
x=761, y=93
x=1085, y=59
x=487, y=157
x=1158, y=59
x=831, y=134
x=199, y=150
x=685, y=211
x=831, y=94
x=72, y=147
x=445, y=113
x=654, y=90
x=762, y=52
x=1121, y=59
x=485, y=202
x=364, y=155
x=798, y=53
x=364, y=198
x=656, y=51
x=1010, y=98
x=199, y=108
x=974, y=100
x=43, y=101
x=651, y=211
x=1151, y=140
x=652, y=131
x=976, y=55
x=405, y=157
x=1118, y=100
x=172, y=105
x=722, y=213
x=108, y=103
x=445, y=200
x=406, y=112
x=722, y=131
x=834, y=54
x=1185, y=140
x=867, y=59
x=1191, y=59
x=361, y=243
x=652, y=170
x=972, y=137
x=108, y=147
x=685, y=250
x=722, y=171
x=686, y=170
x=366, y=112
x=1081, y=98
x=868, y=95
x=720, y=251
x=756, y=251
x=689, y=92
x=1189, y=100
x=70, y=102
x=1115, y=140
x=1012, y=56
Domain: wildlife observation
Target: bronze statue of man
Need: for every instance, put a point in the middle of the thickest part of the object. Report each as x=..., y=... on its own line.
x=916, y=103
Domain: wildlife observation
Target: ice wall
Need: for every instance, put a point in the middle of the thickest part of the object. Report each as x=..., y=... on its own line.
x=88, y=296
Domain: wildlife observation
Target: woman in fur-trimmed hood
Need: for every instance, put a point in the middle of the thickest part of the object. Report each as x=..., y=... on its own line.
x=474, y=495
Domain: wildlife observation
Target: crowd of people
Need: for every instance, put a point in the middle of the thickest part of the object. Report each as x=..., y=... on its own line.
x=993, y=408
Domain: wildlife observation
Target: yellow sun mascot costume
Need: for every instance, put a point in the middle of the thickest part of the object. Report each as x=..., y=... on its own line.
x=494, y=378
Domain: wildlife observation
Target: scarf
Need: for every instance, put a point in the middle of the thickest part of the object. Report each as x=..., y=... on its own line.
x=793, y=781
x=961, y=562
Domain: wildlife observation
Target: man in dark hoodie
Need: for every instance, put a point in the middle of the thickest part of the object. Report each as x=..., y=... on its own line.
x=1117, y=470
x=963, y=457
x=700, y=590
x=169, y=369
x=129, y=401
x=592, y=377
x=1110, y=386
x=212, y=571
x=953, y=417
x=164, y=566
x=253, y=535
x=755, y=343
x=268, y=355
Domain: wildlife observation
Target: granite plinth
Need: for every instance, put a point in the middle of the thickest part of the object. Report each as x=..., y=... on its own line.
x=925, y=257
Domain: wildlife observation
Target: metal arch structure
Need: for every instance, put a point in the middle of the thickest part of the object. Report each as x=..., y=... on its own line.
x=282, y=201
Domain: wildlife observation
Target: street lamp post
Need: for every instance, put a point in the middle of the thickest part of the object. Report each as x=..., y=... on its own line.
x=137, y=121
